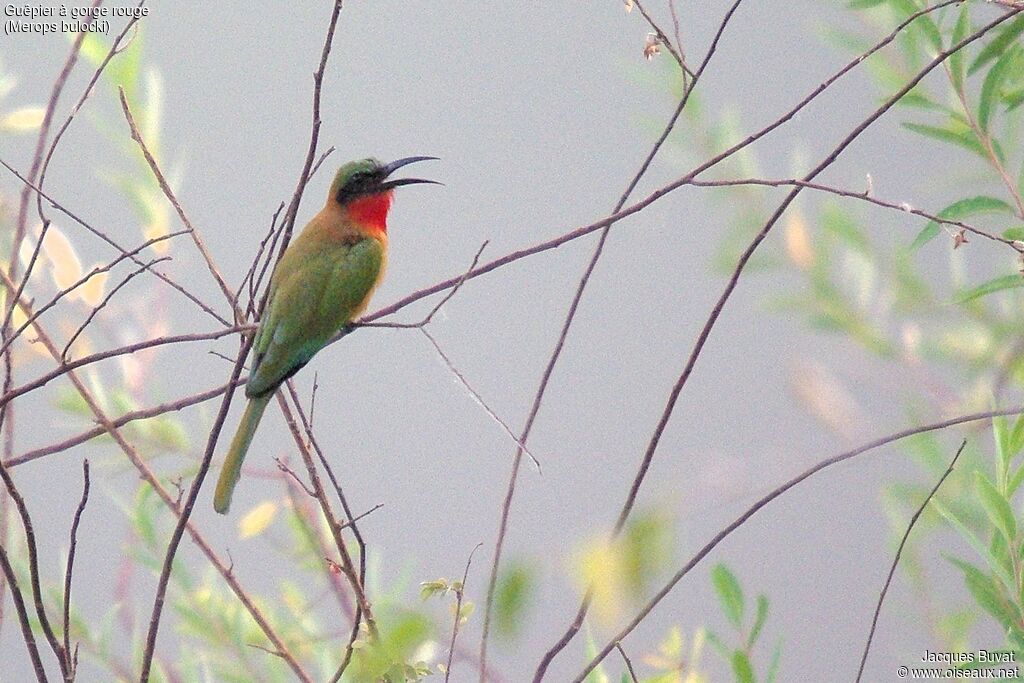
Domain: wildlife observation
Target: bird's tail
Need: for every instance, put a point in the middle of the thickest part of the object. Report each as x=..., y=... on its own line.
x=232, y=467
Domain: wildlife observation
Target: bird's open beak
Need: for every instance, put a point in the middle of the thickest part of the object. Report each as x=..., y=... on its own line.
x=388, y=169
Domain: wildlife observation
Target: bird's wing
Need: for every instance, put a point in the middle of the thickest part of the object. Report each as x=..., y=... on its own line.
x=319, y=292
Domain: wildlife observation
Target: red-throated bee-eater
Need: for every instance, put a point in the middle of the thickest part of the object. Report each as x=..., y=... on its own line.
x=324, y=280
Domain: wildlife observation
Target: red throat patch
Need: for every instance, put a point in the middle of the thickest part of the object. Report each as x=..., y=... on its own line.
x=371, y=211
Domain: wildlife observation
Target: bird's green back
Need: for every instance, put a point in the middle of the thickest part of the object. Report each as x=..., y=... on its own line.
x=321, y=283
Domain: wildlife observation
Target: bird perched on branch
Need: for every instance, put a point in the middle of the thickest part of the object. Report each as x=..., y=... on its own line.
x=323, y=281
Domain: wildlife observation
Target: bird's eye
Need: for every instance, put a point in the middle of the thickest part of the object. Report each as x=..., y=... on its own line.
x=360, y=178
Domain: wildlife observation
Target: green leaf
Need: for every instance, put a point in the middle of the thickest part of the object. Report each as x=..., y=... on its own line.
x=987, y=594
x=996, y=507
x=730, y=594
x=959, y=210
x=956, y=60
x=429, y=589
x=964, y=138
x=993, y=562
x=995, y=285
x=927, y=234
x=1014, y=99
x=1020, y=180
x=843, y=226
x=511, y=598
x=1015, y=481
x=923, y=24
x=773, y=666
x=865, y=4
x=741, y=668
x=598, y=675
x=1015, y=443
x=991, y=90
x=1005, y=38
x=762, y=616
x=1014, y=233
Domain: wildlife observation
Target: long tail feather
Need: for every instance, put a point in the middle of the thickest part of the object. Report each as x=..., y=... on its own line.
x=232, y=468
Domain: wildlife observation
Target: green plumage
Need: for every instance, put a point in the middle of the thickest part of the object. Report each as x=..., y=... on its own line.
x=321, y=285
x=323, y=281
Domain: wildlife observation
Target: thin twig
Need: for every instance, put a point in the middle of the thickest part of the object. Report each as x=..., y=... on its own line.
x=899, y=553
x=862, y=196
x=197, y=239
x=249, y=279
x=106, y=238
x=131, y=416
x=170, y=501
x=723, y=299
x=520, y=445
x=23, y=619
x=103, y=303
x=33, y=567
x=629, y=664
x=128, y=349
x=307, y=167
x=347, y=565
x=459, y=594
x=72, y=659
x=768, y=498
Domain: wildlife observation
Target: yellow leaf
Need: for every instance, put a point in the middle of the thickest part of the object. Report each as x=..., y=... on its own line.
x=798, y=241
x=91, y=293
x=67, y=269
x=158, y=228
x=19, y=318
x=28, y=245
x=600, y=566
x=23, y=120
x=256, y=521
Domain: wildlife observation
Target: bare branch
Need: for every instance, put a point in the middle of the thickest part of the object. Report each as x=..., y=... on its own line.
x=459, y=594
x=72, y=659
x=23, y=619
x=113, y=353
x=629, y=664
x=169, y=193
x=899, y=553
x=716, y=312
x=33, y=567
x=768, y=498
x=862, y=196
x=132, y=416
x=106, y=238
x=102, y=304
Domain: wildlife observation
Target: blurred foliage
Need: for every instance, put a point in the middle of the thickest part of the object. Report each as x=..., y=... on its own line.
x=622, y=569
x=748, y=626
x=958, y=328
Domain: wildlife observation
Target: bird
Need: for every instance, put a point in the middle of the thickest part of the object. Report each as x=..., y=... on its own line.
x=323, y=281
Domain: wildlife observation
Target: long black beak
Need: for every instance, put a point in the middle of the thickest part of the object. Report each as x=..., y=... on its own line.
x=388, y=169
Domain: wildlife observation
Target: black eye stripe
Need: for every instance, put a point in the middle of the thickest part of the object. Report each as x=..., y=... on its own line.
x=358, y=183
